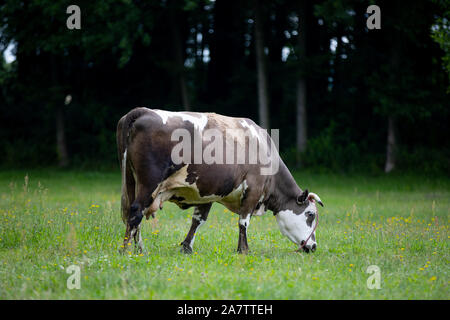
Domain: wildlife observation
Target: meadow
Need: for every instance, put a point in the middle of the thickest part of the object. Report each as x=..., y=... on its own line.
x=52, y=219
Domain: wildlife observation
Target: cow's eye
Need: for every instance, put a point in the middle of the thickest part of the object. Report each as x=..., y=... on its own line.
x=310, y=215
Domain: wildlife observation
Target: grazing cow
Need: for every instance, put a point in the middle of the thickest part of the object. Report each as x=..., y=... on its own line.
x=151, y=176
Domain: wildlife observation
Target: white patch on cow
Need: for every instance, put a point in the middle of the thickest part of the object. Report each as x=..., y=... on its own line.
x=262, y=208
x=245, y=222
x=260, y=211
x=243, y=188
x=191, y=194
x=176, y=185
x=198, y=122
x=191, y=244
x=124, y=169
x=139, y=243
x=233, y=200
x=252, y=129
x=176, y=180
x=294, y=225
x=197, y=217
x=124, y=182
x=132, y=233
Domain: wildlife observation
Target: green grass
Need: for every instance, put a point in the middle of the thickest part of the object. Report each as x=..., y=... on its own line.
x=61, y=218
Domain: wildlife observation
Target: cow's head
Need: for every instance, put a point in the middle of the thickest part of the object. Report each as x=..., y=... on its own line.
x=298, y=220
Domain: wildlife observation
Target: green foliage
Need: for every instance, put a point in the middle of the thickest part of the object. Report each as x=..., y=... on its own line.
x=124, y=57
x=440, y=33
x=335, y=11
x=422, y=159
x=327, y=153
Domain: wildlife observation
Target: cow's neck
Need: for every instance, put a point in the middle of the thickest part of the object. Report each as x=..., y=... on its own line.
x=284, y=189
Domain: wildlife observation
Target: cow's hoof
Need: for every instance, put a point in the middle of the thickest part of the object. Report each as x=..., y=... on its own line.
x=185, y=248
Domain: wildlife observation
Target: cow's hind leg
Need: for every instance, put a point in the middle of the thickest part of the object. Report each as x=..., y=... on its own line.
x=138, y=244
x=198, y=219
x=133, y=223
x=128, y=197
x=133, y=218
x=130, y=234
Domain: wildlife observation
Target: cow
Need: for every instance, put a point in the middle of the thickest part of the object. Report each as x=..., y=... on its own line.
x=151, y=176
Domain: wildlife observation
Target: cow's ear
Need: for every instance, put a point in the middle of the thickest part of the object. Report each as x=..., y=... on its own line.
x=302, y=197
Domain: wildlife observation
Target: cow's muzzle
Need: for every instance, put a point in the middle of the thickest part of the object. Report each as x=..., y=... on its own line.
x=307, y=248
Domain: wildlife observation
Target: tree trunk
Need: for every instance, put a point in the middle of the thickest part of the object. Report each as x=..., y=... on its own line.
x=301, y=83
x=63, y=158
x=391, y=146
x=61, y=146
x=301, y=115
x=179, y=60
x=184, y=92
x=396, y=77
x=263, y=101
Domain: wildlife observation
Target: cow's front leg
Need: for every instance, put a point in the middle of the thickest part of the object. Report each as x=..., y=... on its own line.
x=198, y=219
x=244, y=221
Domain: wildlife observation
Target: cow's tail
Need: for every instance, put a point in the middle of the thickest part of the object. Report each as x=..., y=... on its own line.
x=124, y=126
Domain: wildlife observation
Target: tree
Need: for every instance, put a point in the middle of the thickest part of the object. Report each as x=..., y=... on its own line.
x=359, y=98
x=47, y=50
x=441, y=33
x=178, y=51
x=263, y=100
x=227, y=77
x=58, y=105
x=301, y=136
x=402, y=88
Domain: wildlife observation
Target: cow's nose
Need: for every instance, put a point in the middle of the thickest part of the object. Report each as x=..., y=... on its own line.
x=304, y=247
x=308, y=247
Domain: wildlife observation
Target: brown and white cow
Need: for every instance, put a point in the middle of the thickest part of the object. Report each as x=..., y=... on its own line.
x=150, y=176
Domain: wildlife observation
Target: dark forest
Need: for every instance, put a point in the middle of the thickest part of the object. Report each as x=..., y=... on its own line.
x=345, y=98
